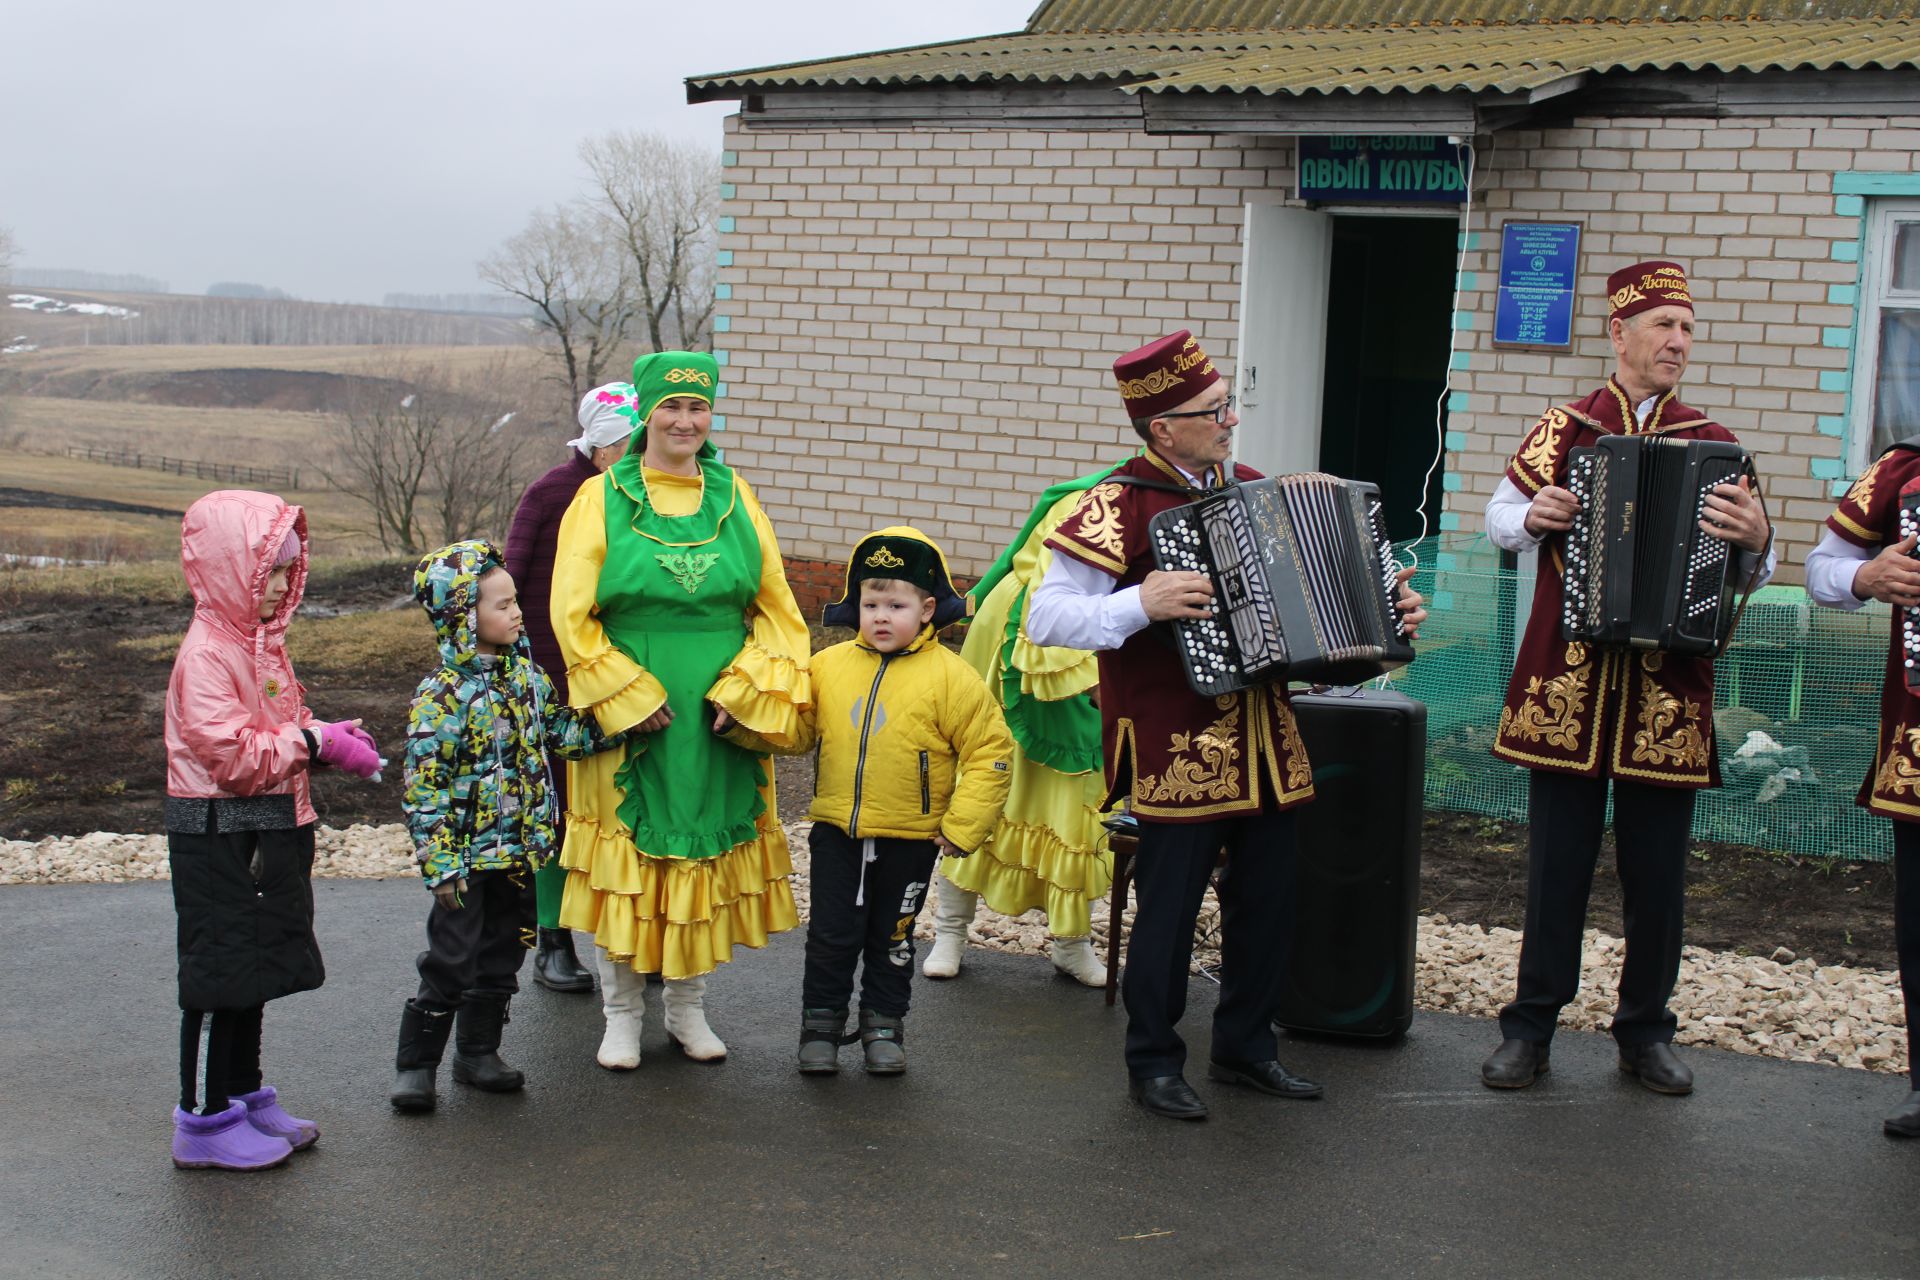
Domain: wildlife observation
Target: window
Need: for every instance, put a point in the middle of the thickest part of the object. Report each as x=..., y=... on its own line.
x=1886, y=387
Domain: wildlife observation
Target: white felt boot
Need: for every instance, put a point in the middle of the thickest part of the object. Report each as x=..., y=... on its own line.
x=687, y=1019
x=623, y=999
x=952, y=913
x=1075, y=957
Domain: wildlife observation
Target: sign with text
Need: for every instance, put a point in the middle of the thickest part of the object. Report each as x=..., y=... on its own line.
x=1360, y=168
x=1539, y=265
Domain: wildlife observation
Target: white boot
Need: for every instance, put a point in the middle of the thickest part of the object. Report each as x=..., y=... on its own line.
x=687, y=1019
x=1075, y=957
x=952, y=913
x=623, y=999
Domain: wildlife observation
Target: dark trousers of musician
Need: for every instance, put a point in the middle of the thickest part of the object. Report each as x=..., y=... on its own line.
x=1256, y=891
x=1906, y=929
x=1566, y=817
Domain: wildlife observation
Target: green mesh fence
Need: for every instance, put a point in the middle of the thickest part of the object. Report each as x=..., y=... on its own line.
x=1796, y=712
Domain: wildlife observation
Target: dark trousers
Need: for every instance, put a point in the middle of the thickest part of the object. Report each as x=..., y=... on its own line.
x=1565, y=817
x=1170, y=877
x=863, y=909
x=230, y=1059
x=1906, y=928
x=479, y=946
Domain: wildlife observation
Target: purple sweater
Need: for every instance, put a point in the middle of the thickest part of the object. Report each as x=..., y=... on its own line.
x=530, y=549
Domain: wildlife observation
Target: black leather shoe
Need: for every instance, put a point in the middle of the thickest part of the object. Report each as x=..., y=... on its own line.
x=1905, y=1123
x=1267, y=1077
x=1657, y=1067
x=1169, y=1096
x=1514, y=1065
x=556, y=967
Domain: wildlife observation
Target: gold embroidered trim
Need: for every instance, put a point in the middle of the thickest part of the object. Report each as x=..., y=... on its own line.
x=1541, y=449
x=1840, y=517
x=1215, y=776
x=1100, y=525
x=1898, y=773
x=1566, y=695
x=689, y=375
x=1861, y=494
x=883, y=559
x=1686, y=747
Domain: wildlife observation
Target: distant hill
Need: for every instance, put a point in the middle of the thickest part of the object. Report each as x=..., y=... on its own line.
x=47, y=317
x=65, y=278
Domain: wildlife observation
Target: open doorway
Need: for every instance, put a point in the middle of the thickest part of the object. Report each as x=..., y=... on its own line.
x=1389, y=320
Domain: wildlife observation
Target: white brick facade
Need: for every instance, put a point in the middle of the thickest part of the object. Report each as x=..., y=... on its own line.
x=918, y=325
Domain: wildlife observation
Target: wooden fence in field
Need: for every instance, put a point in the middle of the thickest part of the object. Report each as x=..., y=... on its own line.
x=279, y=477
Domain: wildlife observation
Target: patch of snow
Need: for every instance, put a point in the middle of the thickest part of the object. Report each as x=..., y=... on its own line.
x=18, y=346
x=55, y=307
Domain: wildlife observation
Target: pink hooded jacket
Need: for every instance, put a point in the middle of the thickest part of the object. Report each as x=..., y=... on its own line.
x=234, y=710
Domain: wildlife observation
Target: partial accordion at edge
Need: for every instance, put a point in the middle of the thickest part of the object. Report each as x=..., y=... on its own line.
x=1303, y=583
x=1640, y=571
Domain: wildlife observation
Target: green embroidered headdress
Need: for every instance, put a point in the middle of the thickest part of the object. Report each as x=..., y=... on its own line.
x=903, y=554
x=662, y=375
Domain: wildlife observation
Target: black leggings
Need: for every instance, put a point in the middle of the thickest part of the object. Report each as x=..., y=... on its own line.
x=232, y=1059
x=1906, y=929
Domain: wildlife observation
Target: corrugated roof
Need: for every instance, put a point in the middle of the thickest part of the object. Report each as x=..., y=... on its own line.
x=1056, y=16
x=1503, y=58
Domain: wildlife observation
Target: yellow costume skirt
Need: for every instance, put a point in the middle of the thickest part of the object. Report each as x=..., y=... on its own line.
x=1048, y=850
x=678, y=917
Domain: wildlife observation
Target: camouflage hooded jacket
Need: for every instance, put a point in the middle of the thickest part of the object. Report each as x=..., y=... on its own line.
x=479, y=791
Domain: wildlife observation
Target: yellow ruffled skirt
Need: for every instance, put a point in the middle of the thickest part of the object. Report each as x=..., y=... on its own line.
x=678, y=917
x=1048, y=850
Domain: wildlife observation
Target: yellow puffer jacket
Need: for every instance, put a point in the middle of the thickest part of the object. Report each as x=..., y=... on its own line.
x=911, y=744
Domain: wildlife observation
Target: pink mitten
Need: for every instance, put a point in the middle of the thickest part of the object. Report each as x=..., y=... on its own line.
x=345, y=745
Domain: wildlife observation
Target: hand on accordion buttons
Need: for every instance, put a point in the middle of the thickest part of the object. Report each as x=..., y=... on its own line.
x=1733, y=515
x=1168, y=594
x=1892, y=576
x=1551, y=511
x=1411, y=605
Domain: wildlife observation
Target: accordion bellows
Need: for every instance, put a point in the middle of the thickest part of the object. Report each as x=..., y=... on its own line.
x=1303, y=583
x=1640, y=571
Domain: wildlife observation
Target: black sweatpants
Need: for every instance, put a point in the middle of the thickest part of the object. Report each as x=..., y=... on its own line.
x=1170, y=877
x=479, y=946
x=866, y=894
x=1565, y=818
x=230, y=1059
x=1906, y=929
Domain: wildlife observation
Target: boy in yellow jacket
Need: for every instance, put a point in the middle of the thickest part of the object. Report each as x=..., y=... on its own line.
x=914, y=763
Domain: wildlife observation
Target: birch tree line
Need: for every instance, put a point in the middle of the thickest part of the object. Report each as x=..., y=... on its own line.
x=624, y=267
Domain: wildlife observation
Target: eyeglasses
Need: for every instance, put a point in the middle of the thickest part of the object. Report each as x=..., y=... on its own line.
x=1218, y=414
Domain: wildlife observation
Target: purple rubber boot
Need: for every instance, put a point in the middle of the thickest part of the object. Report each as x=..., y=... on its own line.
x=265, y=1114
x=224, y=1141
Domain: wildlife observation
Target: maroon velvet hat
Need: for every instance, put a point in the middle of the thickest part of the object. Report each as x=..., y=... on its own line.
x=1644, y=286
x=1163, y=374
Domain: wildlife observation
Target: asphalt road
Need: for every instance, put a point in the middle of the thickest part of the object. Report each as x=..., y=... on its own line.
x=1008, y=1149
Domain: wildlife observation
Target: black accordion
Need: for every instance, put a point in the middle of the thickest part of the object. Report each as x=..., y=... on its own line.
x=1910, y=616
x=1303, y=583
x=1640, y=571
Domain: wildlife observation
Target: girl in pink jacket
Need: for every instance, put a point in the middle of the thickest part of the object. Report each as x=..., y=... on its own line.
x=240, y=740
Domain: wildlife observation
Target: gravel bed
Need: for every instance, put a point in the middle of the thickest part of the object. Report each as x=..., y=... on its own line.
x=1781, y=1006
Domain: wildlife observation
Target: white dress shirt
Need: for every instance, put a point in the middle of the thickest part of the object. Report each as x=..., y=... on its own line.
x=1830, y=570
x=1507, y=521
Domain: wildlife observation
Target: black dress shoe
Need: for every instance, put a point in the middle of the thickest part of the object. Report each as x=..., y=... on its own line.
x=1905, y=1123
x=556, y=967
x=1657, y=1067
x=1514, y=1065
x=1267, y=1077
x=1169, y=1096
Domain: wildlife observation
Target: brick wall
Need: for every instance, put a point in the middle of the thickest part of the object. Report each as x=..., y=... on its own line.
x=918, y=326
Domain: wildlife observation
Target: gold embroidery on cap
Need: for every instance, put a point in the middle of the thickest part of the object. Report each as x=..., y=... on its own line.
x=884, y=559
x=689, y=375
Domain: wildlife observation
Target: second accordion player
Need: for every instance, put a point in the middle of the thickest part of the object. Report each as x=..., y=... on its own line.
x=1303, y=583
x=1640, y=571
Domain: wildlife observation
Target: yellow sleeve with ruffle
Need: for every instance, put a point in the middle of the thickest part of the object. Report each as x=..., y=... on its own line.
x=617, y=690
x=1047, y=672
x=768, y=686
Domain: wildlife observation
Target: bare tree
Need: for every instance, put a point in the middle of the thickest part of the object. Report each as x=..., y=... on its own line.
x=9, y=250
x=435, y=458
x=659, y=201
x=576, y=283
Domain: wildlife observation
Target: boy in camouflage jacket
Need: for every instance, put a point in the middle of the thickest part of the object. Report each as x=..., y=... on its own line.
x=480, y=811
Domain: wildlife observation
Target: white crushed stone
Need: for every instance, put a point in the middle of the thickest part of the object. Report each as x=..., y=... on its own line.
x=1781, y=1007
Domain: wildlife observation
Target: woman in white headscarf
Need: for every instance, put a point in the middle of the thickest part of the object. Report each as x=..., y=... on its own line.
x=607, y=417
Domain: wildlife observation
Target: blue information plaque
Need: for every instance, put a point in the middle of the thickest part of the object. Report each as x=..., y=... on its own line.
x=1539, y=266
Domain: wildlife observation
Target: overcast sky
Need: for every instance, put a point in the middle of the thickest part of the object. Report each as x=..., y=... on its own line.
x=345, y=150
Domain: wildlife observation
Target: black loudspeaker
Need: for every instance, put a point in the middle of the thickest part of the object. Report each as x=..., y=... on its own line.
x=1350, y=966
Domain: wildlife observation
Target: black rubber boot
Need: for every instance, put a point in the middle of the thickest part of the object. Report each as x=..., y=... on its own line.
x=475, y=1042
x=883, y=1040
x=556, y=967
x=822, y=1032
x=423, y=1038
